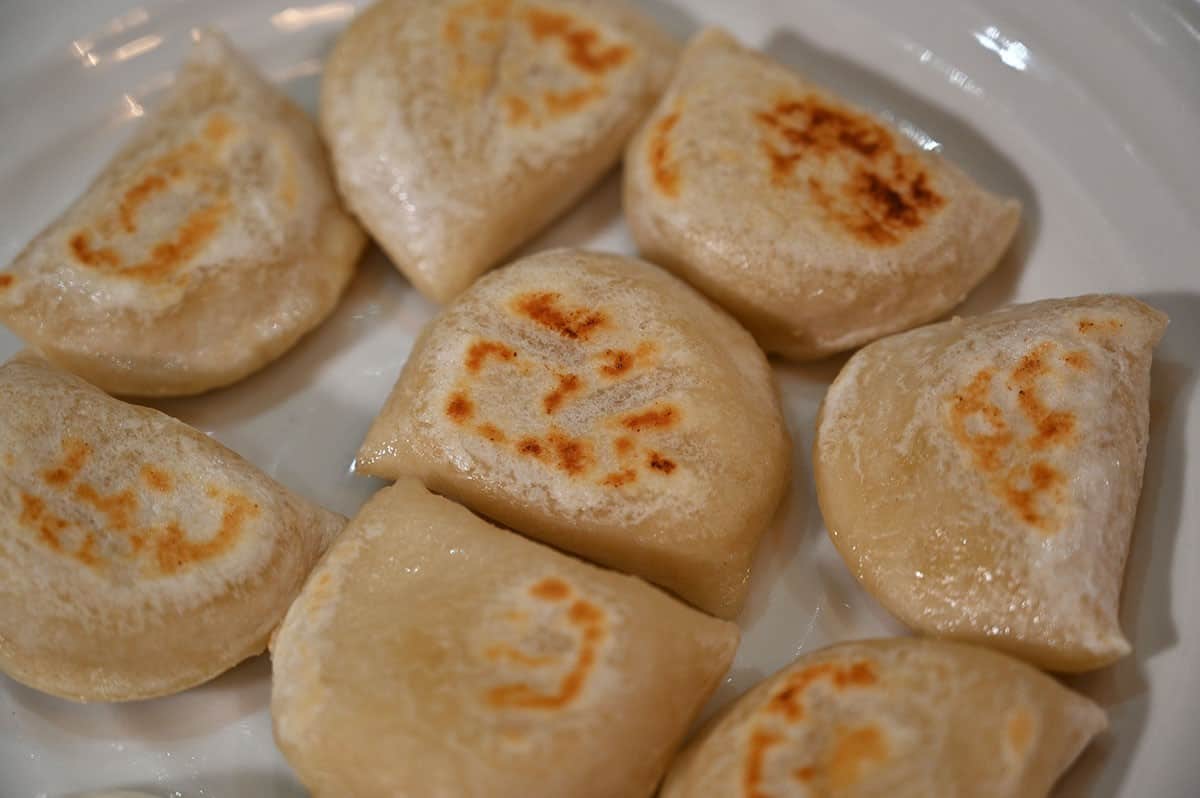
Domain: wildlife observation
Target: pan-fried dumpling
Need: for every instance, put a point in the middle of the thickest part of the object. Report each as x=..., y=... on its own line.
x=598, y=404
x=206, y=248
x=819, y=227
x=459, y=128
x=433, y=654
x=138, y=557
x=980, y=476
x=900, y=718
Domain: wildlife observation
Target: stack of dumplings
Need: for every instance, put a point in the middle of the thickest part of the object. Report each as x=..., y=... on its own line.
x=979, y=476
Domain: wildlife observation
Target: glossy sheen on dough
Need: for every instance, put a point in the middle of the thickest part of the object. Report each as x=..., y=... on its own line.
x=819, y=227
x=980, y=476
x=138, y=557
x=459, y=128
x=899, y=718
x=599, y=404
x=432, y=654
x=206, y=248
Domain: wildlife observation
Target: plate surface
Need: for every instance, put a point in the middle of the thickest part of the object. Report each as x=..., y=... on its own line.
x=1088, y=112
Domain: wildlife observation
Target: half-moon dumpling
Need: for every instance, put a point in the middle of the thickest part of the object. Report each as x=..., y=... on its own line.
x=900, y=718
x=598, y=404
x=818, y=226
x=138, y=557
x=459, y=128
x=433, y=654
x=980, y=476
x=206, y=248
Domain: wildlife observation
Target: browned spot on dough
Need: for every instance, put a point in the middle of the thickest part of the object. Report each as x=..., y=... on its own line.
x=584, y=48
x=569, y=102
x=86, y=553
x=480, y=351
x=662, y=165
x=885, y=194
x=618, y=478
x=852, y=753
x=1087, y=326
x=75, y=455
x=530, y=446
x=492, y=433
x=789, y=701
x=156, y=479
x=757, y=746
x=503, y=651
x=196, y=231
x=574, y=454
x=623, y=445
x=460, y=408
x=662, y=416
x=173, y=551
x=517, y=110
x=544, y=308
x=589, y=621
x=1031, y=487
x=48, y=526
x=804, y=774
x=617, y=362
x=1078, y=360
x=5, y=281
x=567, y=385
x=117, y=508
x=1052, y=427
x=81, y=245
x=551, y=589
x=136, y=197
x=661, y=464
x=487, y=10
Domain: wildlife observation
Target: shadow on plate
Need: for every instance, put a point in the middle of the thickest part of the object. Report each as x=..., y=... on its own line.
x=201, y=710
x=1147, y=613
x=234, y=784
x=959, y=141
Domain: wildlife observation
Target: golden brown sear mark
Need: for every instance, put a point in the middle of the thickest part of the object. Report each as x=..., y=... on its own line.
x=460, y=408
x=887, y=193
x=661, y=464
x=480, y=351
x=848, y=752
x=174, y=551
x=118, y=511
x=157, y=479
x=587, y=620
x=1030, y=489
x=492, y=433
x=789, y=701
x=583, y=45
x=1089, y=326
x=6, y=280
x=75, y=455
x=567, y=384
x=659, y=417
x=662, y=165
x=619, y=362
x=618, y=478
x=574, y=454
x=193, y=159
x=545, y=309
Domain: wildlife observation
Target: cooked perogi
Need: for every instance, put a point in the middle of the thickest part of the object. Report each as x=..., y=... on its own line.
x=205, y=249
x=815, y=224
x=981, y=476
x=433, y=654
x=894, y=718
x=601, y=405
x=459, y=128
x=138, y=557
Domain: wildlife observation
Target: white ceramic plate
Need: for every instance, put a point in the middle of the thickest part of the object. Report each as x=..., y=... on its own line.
x=1089, y=112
